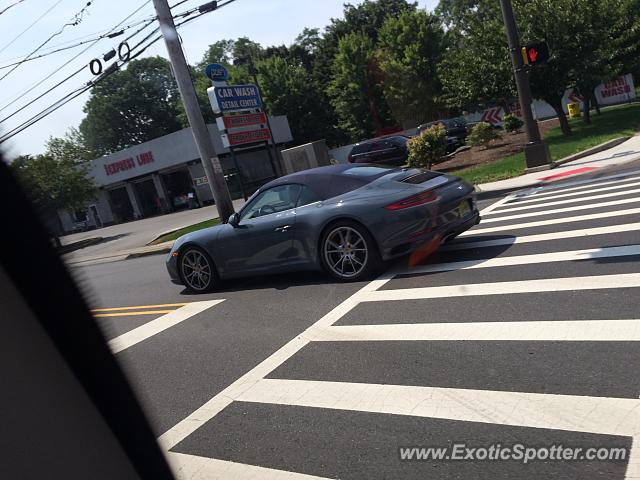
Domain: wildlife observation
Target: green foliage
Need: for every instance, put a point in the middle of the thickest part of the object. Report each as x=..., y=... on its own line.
x=352, y=85
x=579, y=35
x=362, y=21
x=429, y=147
x=613, y=123
x=54, y=182
x=476, y=70
x=512, y=123
x=131, y=106
x=481, y=134
x=410, y=48
x=71, y=147
x=288, y=89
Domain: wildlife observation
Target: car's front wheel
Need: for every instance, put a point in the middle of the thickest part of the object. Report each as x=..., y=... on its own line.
x=348, y=252
x=197, y=270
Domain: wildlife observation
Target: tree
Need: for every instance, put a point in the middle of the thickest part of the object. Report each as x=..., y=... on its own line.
x=218, y=52
x=476, y=70
x=71, y=147
x=59, y=184
x=131, y=106
x=410, y=47
x=597, y=47
x=626, y=38
x=288, y=89
x=554, y=22
x=352, y=87
x=365, y=19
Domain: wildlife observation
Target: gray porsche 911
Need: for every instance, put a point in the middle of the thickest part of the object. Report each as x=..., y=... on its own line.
x=344, y=219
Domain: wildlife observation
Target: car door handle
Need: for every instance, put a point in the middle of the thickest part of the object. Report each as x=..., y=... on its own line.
x=283, y=228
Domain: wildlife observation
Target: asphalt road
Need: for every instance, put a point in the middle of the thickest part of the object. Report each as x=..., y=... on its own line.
x=523, y=331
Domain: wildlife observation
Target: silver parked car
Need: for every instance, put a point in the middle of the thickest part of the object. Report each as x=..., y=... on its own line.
x=344, y=219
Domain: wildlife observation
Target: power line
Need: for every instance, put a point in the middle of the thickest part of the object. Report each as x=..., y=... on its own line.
x=110, y=34
x=11, y=6
x=109, y=71
x=84, y=40
x=30, y=26
x=75, y=20
x=30, y=89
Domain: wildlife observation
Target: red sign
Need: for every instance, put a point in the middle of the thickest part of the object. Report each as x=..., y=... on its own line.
x=252, y=136
x=244, y=120
x=492, y=116
x=616, y=87
x=128, y=163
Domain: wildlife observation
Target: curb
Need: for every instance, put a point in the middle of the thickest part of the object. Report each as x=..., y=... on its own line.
x=585, y=153
x=72, y=247
x=148, y=253
x=166, y=233
x=488, y=194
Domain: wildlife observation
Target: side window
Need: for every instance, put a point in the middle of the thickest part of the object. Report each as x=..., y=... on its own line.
x=307, y=196
x=274, y=200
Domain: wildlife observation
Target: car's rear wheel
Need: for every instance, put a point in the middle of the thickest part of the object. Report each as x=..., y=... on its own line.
x=197, y=270
x=348, y=252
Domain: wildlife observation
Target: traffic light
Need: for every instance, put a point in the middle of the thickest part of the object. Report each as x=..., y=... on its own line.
x=534, y=53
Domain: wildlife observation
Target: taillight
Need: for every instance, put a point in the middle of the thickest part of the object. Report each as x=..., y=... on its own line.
x=350, y=159
x=414, y=200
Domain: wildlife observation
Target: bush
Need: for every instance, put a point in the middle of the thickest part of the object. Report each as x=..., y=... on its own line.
x=481, y=134
x=429, y=147
x=512, y=123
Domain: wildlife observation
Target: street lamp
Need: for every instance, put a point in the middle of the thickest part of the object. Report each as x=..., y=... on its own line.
x=536, y=152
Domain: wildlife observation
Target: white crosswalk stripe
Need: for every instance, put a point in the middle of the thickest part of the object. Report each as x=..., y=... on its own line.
x=508, y=208
x=555, y=211
x=584, y=232
x=579, y=185
x=600, y=415
x=553, y=221
x=587, y=254
x=608, y=416
x=597, y=282
x=557, y=330
x=547, y=197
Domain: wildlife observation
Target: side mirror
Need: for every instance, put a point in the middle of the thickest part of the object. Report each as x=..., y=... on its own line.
x=234, y=220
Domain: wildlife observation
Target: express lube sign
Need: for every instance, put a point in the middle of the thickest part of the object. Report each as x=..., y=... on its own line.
x=234, y=98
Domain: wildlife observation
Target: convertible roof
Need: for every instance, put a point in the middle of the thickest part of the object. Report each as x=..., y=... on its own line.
x=331, y=180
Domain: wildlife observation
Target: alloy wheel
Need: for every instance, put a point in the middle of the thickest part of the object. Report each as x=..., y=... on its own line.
x=196, y=270
x=346, y=252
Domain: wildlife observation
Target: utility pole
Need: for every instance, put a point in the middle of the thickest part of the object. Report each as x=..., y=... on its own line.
x=210, y=160
x=536, y=153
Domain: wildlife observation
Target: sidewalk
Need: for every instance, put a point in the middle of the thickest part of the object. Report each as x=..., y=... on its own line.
x=118, y=241
x=625, y=152
x=135, y=235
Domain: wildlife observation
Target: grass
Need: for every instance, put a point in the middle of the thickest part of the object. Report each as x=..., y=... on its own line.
x=185, y=230
x=613, y=123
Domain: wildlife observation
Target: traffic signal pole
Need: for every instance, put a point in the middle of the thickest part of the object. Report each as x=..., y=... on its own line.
x=536, y=153
x=210, y=160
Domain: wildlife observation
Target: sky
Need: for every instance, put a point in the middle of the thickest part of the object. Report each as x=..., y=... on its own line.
x=268, y=22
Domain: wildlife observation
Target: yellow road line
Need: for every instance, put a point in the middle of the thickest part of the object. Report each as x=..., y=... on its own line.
x=126, y=314
x=138, y=307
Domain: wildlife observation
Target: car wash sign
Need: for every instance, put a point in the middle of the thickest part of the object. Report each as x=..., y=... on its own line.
x=233, y=98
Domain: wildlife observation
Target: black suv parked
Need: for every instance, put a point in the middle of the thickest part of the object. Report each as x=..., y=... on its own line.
x=386, y=150
x=456, y=132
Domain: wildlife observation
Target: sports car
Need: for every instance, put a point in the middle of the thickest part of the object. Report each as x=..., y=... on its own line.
x=344, y=219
